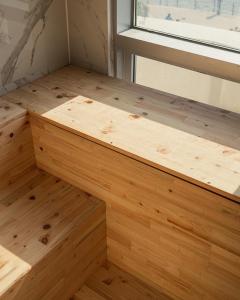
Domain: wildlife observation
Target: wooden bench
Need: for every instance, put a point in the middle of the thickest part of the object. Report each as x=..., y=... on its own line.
x=167, y=168
x=193, y=141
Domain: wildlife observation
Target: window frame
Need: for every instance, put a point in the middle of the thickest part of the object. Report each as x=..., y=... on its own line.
x=131, y=41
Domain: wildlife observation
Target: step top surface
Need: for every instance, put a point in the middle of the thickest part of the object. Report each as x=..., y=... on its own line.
x=193, y=141
x=37, y=213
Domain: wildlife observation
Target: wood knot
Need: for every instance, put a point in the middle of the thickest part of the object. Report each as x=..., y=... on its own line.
x=88, y=101
x=44, y=239
x=163, y=150
x=108, y=281
x=88, y=194
x=134, y=117
x=46, y=226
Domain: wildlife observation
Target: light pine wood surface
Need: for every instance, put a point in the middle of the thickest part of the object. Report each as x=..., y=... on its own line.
x=16, y=148
x=111, y=283
x=172, y=234
x=190, y=140
x=167, y=168
x=52, y=237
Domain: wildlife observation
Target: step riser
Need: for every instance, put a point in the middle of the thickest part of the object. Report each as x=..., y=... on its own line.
x=16, y=148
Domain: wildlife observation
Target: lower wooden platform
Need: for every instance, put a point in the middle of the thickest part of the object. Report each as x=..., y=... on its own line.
x=111, y=283
x=52, y=237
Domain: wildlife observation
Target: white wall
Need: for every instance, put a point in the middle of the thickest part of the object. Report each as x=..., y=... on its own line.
x=89, y=34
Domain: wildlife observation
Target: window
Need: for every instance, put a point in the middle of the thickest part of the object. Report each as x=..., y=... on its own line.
x=215, y=22
x=188, y=84
x=171, y=44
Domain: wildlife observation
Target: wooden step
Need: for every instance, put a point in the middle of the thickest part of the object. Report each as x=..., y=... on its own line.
x=110, y=282
x=52, y=237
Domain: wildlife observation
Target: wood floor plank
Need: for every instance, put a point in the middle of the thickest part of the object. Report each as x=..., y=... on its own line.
x=111, y=283
x=87, y=294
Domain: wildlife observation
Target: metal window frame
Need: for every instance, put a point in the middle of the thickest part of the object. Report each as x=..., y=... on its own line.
x=130, y=41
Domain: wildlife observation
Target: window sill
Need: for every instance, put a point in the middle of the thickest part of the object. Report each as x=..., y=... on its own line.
x=201, y=58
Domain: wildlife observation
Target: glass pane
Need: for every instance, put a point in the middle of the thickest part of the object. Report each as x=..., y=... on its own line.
x=188, y=84
x=210, y=21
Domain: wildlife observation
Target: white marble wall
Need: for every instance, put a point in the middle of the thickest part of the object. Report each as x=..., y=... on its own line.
x=89, y=34
x=33, y=40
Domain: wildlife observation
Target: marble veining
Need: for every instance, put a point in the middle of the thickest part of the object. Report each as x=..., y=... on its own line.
x=89, y=18
x=33, y=40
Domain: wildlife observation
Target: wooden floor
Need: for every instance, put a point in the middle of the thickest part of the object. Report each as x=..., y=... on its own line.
x=112, y=283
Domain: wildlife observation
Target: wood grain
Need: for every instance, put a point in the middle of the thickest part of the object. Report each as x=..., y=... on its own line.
x=16, y=148
x=52, y=236
x=111, y=283
x=172, y=234
x=193, y=141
